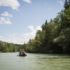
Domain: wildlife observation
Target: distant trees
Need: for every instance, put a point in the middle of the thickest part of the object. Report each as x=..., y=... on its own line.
x=8, y=47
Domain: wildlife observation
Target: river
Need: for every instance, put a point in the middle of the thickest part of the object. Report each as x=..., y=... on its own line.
x=10, y=61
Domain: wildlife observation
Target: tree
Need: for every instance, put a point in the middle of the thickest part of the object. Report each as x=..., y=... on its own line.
x=67, y=4
x=55, y=35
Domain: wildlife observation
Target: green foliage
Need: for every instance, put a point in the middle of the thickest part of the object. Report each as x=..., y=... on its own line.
x=8, y=47
x=67, y=4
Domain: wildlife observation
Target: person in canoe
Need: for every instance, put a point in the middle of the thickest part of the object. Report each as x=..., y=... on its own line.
x=22, y=52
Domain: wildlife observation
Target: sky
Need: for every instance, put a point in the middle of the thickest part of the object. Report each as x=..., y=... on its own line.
x=20, y=19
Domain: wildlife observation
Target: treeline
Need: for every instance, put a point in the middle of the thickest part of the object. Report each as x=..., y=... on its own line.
x=9, y=47
x=54, y=36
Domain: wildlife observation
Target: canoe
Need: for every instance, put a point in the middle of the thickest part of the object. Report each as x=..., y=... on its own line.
x=22, y=53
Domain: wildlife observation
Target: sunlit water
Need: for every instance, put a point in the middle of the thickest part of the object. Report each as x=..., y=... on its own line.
x=10, y=61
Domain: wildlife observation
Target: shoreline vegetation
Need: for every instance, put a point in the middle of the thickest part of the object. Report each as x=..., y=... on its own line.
x=54, y=38
x=9, y=47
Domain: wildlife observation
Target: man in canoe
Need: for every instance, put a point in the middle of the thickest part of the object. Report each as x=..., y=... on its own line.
x=22, y=52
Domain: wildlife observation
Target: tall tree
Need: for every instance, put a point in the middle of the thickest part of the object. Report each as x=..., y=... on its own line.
x=67, y=4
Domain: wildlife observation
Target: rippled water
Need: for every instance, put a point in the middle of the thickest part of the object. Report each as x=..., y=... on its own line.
x=10, y=61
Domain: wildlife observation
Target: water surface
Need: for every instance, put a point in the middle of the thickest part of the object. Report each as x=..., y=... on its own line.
x=10, y=61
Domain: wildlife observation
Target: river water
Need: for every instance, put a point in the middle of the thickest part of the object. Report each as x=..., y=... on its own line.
x=10, y=61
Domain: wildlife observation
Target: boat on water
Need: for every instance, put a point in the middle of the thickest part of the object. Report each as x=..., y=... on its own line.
x=22, y=52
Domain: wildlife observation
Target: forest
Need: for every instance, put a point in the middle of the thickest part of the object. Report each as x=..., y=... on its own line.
x=55, y=35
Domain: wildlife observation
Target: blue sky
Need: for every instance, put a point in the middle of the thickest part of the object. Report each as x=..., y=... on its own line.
x=20, y=19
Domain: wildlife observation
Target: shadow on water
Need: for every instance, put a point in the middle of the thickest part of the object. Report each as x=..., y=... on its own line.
x=52, y=56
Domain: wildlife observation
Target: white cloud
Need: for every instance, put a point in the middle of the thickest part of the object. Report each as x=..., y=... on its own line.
x=14, y=4
x=31, y=34
x=34, y=28
x=5, y=18
x=28, y=1
x=22, y=37
x=6, y=14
